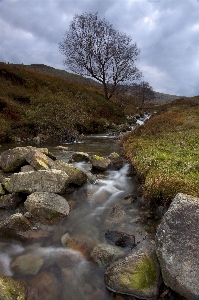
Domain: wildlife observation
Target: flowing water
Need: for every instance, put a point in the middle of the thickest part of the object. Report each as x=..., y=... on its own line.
x=54, y=271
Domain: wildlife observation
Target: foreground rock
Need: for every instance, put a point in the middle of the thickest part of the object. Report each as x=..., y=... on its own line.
x=177, y=246
x=54, y=181
x=11, y=289
x=47, y=206
x=137, y=274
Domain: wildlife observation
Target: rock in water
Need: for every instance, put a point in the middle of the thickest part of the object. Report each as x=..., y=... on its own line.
x=137, y=274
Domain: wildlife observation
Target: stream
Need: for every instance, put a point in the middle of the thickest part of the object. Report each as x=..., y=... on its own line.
x=53, y=271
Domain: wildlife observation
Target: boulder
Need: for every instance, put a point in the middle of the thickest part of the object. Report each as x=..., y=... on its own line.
x=38, y=160
x=76, y=176
x=10, y=200
x=11, y=289
x=116, y=160
x=13, y=225
x=137, y=274
x=104, y=254
x=100, y=163
x=47, y=206
x=12, y=159
x=177, y=246
x=79, y=156
x=54, y=181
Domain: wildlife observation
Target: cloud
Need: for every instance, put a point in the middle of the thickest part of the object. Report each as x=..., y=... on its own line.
x=165, y=31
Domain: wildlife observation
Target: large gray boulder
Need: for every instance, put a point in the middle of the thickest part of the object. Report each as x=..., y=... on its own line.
x=12, y=159
x=137, y=274
x=177, y=246
x=54, y=181
x=47, y=206
x=76, y=176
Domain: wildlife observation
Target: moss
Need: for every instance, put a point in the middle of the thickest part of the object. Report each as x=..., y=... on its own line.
x=11, y=289
x=96, y=157
x=142, y=276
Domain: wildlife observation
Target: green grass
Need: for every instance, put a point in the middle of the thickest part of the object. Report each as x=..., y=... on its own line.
x=165, y=153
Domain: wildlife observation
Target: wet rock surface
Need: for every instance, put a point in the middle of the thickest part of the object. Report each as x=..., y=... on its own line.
x=137, y=274
x=177, y=246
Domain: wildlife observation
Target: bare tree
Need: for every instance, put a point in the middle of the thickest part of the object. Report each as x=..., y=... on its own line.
x=143, y=92
x=93, y=48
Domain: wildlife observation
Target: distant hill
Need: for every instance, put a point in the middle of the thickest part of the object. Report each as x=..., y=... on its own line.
x=41, y=68
x=163, y=98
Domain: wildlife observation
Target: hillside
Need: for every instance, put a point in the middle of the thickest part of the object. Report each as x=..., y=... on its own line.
x=41, y=68
x=160, y=97
x=33, y=103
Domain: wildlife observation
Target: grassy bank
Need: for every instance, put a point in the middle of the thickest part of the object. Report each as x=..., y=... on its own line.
x=33, y=103
x=165, y=152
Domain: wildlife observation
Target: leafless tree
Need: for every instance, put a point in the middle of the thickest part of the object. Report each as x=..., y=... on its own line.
x=143, y=92
x=93, y=48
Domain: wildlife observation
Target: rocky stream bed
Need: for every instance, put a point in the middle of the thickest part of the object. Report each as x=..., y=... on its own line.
x=74, y=225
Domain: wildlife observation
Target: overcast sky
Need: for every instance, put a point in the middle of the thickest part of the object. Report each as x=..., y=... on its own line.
x=166, y=31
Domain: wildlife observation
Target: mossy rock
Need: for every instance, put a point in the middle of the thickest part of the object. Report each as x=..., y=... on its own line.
x=100, y=163
x=11, y=289
x=137, y=274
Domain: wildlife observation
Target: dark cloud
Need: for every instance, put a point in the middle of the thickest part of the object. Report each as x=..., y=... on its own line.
x=165, y=31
